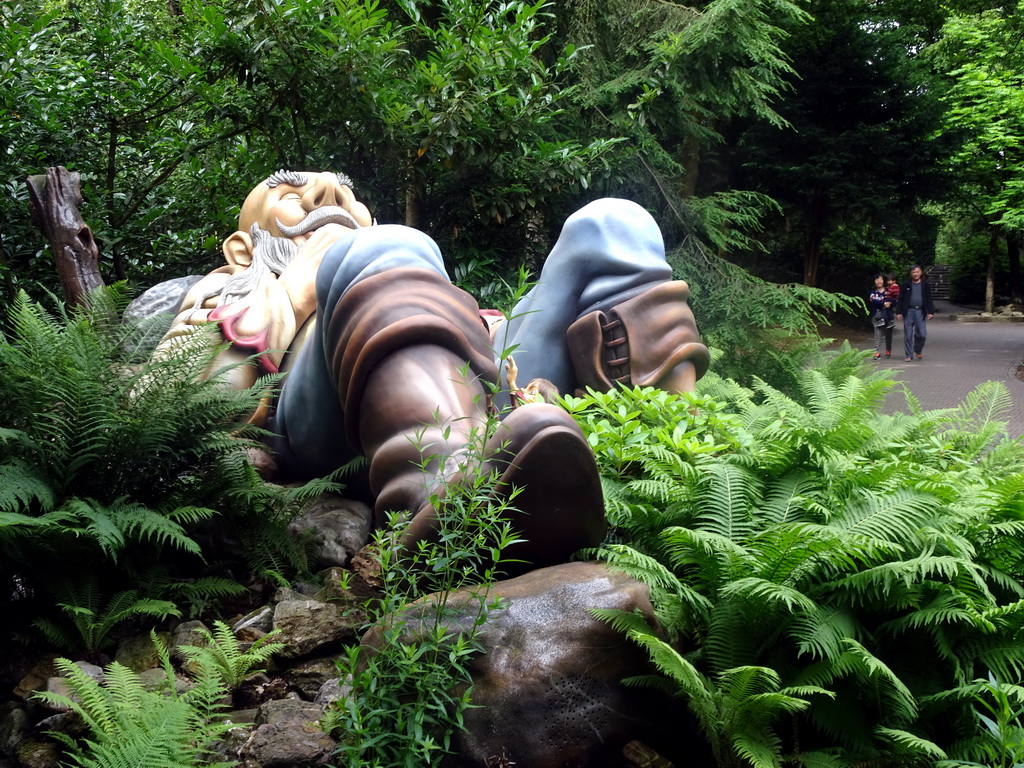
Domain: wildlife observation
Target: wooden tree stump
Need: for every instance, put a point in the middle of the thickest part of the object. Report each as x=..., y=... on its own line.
x=54, y=201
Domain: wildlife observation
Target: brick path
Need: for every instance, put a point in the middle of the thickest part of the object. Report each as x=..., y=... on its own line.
x=958, y=357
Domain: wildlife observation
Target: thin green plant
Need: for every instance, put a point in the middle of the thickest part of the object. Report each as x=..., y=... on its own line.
x=410, y=679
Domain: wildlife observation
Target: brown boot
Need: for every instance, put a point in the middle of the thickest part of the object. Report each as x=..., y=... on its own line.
x=650, y=340
x=541, y=461
x=413, y=363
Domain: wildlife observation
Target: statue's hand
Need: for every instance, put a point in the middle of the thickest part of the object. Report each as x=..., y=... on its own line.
x=299, y=277
x=322, y=238
x=511, y=372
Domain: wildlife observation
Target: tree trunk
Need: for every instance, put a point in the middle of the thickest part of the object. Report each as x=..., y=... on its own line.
x=415, y=202
x=990, y=270
x=812, y=257
x=54, y=201
x=689, y=155
x=1013, y=256
x=813, y=237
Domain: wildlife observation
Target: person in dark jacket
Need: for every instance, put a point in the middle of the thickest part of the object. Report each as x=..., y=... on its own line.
x=915, y=309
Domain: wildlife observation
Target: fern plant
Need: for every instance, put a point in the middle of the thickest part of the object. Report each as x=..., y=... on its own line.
x=130, y=725
x=223, y=656
x=859, y=561
x=87, y=625
x=118, y=463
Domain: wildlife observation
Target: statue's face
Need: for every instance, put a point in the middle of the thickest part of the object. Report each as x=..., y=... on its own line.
x=294, y=205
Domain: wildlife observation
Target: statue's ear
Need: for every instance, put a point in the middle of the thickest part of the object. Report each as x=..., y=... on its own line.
x=238, y=249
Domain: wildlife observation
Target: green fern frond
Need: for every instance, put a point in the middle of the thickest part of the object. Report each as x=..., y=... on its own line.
x=707, y=549
x=904, y=705
x=895, y=517
x=223, y=655
x=692, y=684
x=725, y=499
x=911, y=742
x=757, y=750
x=132, y=726
x=785, y=499
x=820, y=632
x=757, y=591
x=623, y=622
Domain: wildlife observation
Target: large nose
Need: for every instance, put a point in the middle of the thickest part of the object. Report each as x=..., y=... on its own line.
x=325, y=190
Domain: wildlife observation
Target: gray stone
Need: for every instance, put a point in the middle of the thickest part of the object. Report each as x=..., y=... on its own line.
x=331, y=691
x=162, y=299
x=138, y=652
x=33, y=753
x=338, y=528
x=61, y=686
x=36, y=678
x=309, y=676
x=226, y=748
x=307, y=626
x=188, y=633
x=284, y=745
x=70, y=723
x=156, y=679
x=15, y=727
x=287, y=711
x=255, y=625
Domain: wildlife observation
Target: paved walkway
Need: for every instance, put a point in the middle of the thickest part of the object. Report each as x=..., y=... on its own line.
x=959, y=356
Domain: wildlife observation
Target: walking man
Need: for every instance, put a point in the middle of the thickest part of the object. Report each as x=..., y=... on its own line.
x=915, y=309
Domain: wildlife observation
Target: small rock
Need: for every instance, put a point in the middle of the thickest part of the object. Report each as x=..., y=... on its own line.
x=337, y=526
x=36, y=678
x=15, y=726
x=255, y=625
x=37, y=754
x=330, y=692
x=287, y=745
x=307, y=626
x=287, y=711
x=309, y=676
x=62, y=687
x=138, y=652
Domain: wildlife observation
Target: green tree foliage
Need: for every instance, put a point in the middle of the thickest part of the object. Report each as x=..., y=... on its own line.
x=668, y=78
x=854, y=151
x=833, y=577
x=443, y=113
x=984, y=71
x=125, y=94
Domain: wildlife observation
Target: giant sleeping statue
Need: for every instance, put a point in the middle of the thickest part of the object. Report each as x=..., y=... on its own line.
x=384, y=358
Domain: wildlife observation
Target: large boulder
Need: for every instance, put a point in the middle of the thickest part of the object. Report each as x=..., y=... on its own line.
x=548, y=683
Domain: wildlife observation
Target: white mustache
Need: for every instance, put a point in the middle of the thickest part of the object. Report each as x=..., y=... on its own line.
x=329, y=214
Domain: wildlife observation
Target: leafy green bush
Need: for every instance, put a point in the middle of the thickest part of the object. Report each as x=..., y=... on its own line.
x=826, y=572
x=999, y=742
x=756, y=329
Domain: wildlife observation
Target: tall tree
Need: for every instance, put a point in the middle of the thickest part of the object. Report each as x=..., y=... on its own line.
x=856, y=151
x=668, y=77
x=983, y=63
